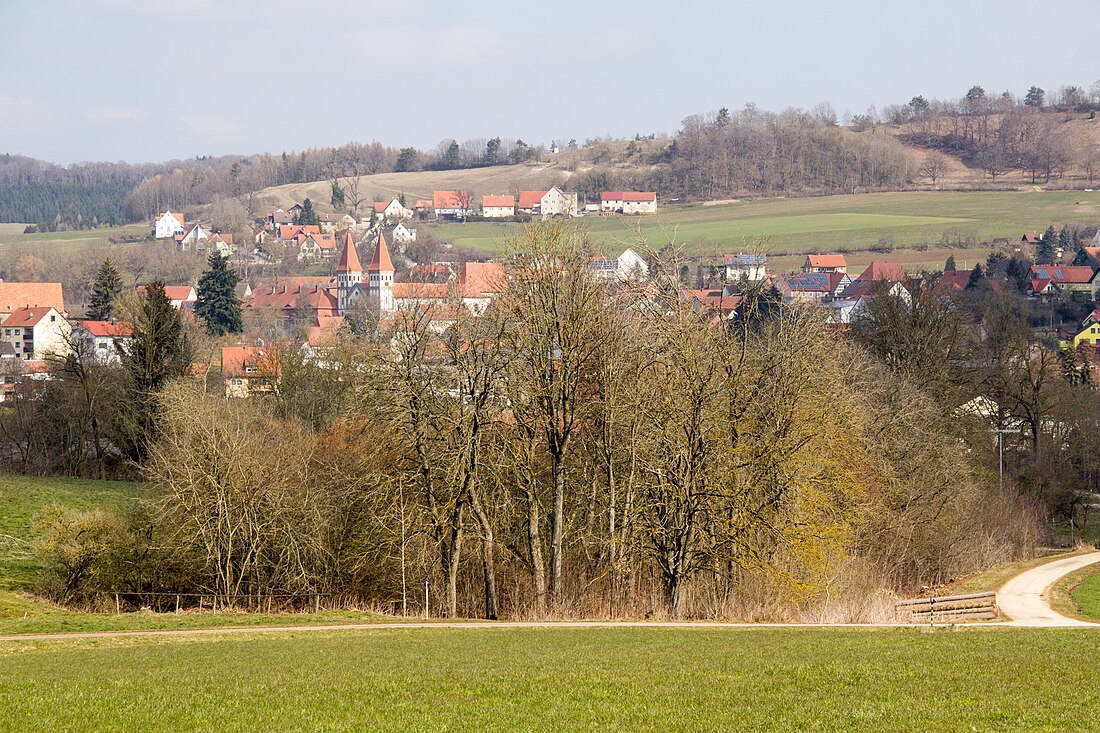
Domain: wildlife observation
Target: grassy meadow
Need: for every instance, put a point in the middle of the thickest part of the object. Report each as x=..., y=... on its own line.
x=933, y=221
x=13, y=241
x=558, y=679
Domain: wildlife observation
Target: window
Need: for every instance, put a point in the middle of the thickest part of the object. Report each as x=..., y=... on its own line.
x=236, y=382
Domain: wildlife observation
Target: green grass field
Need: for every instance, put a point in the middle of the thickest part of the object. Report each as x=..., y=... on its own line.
x=13, y=241
x=828, y=223
x=1078, y=594
x=559, y=679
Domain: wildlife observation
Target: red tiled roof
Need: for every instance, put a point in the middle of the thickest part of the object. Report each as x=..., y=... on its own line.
x=446, y=200
x=480, y=279
x=108, y=328
x=290, y=231
x=381, y=261
x=182, y=293
x=236, y=360
x=891, y=271
x=28, y=317
x=380, y=206
x=423, y=204
x=631, y=196
x=826, y=261
x=529, y=199
x=349, y=258
x=490, y=200
x=21, y=295
x=426, y=291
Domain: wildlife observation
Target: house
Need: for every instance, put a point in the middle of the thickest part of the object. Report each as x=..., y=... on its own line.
x=391, y=210
x=30, y=295
x=825, y=263
x=193, y=237
x=220, y=243
x=497, y=207
x=454, y=204
x=556, y=202
x=806, y=287
x=182, y=297
x=714, y=302
x=249, y=370
x=279, y=217
x=628, y=202
x=423, y=207
x=288, y=233
x=346, y=221
x=953, y=280
x=853, y=300
x=627, y=267
x=168, y=225
x=288, y=296
x=1047, y=279
x=530, y=201
x=745, y=267
x=402, y=235
x=104, y=341
x=36, y=333
x=478, y=282
x=1031, y=238
x=1089, y=335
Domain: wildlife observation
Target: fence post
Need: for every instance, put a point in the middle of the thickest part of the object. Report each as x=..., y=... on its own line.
x=425, y=600
x=177, y=603
x=118, y=606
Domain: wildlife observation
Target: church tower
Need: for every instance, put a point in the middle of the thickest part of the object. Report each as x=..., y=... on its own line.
x=380, y=278
x=349, y=273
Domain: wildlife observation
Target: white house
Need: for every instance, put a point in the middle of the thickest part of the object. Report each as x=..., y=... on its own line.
x=496, y=207
x=453, y=203
x=556, y=202
x=391, y=210
x=168, y=226
x=628, y=267
x=742, y=266
x=403, y=235
x=35, y=333
x=628, y=202
x=193, y=237
x=104, y=340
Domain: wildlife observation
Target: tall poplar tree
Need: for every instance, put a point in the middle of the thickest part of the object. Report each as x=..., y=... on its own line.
x=107, y=288
x=218, y=305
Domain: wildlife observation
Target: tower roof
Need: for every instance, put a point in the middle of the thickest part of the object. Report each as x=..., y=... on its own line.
x=381, y=261
x=349, y=258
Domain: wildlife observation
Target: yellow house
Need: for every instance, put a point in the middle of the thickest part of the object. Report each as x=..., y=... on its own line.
x=1089, y=335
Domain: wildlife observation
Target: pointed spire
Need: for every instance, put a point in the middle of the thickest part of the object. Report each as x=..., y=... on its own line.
x=349, y=258
x=381, y=260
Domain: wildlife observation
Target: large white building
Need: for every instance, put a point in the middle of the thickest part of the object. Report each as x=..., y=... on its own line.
x=628, y=202
x=168, y=225
x=33, y=334
x=498, y=207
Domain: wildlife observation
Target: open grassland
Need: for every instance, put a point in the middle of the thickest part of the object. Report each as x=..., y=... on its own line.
x=933, y=221
x=14, y=242
x=559, y=679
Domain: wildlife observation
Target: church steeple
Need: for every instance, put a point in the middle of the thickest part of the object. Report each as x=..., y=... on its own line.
x=349, y=273
x=381, y=261
x=380, y=277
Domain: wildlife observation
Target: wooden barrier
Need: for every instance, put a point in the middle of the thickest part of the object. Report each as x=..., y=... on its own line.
x=950, y=609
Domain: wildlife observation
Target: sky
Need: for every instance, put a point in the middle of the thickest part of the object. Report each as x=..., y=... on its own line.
x=156, y=80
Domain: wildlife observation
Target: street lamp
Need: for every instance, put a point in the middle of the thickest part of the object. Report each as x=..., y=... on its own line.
x=1001, y=451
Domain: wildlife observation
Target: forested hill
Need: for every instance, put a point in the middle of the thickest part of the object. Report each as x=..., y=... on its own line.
x=76, y=197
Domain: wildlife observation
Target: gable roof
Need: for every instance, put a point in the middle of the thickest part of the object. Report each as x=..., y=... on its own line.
x=744, y=260
x=491, y=200
x=446, y=200
x=381, y=261
x=21, y=295
x=529, y=199
x=182, y=293
x=426, y=291
x=237, y=359
x=891, y=271
x=1063, y=274
x=825, y=261
x=116, y=329
x=809, y=282
x=28, y=317
x=480, y=279
x=628, y=196
x=178, y=216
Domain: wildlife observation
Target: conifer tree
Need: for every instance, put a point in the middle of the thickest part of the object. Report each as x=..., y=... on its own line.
x=1045, y=252
x=1066, y=238
x=1082, y=257
x=107, y=288
x=307, y=215
x=975, y=277
x=338, y=197
x=950, y=266
x=218, y=305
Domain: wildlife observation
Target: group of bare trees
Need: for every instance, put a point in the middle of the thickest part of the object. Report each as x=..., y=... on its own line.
x=578, y=449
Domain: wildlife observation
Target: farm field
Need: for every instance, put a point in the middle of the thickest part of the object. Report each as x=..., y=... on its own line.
x=933, y=220
x=559, y=679
x=14, y=242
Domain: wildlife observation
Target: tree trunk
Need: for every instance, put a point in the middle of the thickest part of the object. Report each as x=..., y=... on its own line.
x=557, y=521
x=487, y=557
x=534, y=540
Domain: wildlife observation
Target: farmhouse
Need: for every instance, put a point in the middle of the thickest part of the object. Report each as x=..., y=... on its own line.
x=825, y=263
x=493, y=207
x=628, y=202
x=745, y=267
x=452, y=203
x=391, y=210
x=1047, y=279
x=554, y=202
x=104, y=341
x=248, y=370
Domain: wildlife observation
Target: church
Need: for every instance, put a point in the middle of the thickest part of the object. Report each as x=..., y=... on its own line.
x=378, y=286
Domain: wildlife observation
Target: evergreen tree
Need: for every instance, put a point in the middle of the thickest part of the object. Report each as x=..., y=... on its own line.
x=1045, y=252
x=1035, y=97
x=1066, y=239
x=307, y=215
x=217, y=305
x=975, y=277
x=950, y=266
x=1082, y=258
x=338, y=196
x=157, y=352
x=107, y=288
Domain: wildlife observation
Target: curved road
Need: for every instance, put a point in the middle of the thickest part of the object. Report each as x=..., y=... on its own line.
x=1023, y=599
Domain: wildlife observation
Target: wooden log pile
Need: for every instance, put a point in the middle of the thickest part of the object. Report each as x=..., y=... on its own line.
x=949, y=609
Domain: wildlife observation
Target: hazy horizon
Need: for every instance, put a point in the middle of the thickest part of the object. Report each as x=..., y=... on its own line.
x=156, y=80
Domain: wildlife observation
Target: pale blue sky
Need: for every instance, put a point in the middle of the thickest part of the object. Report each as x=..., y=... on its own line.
x=151, y=80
